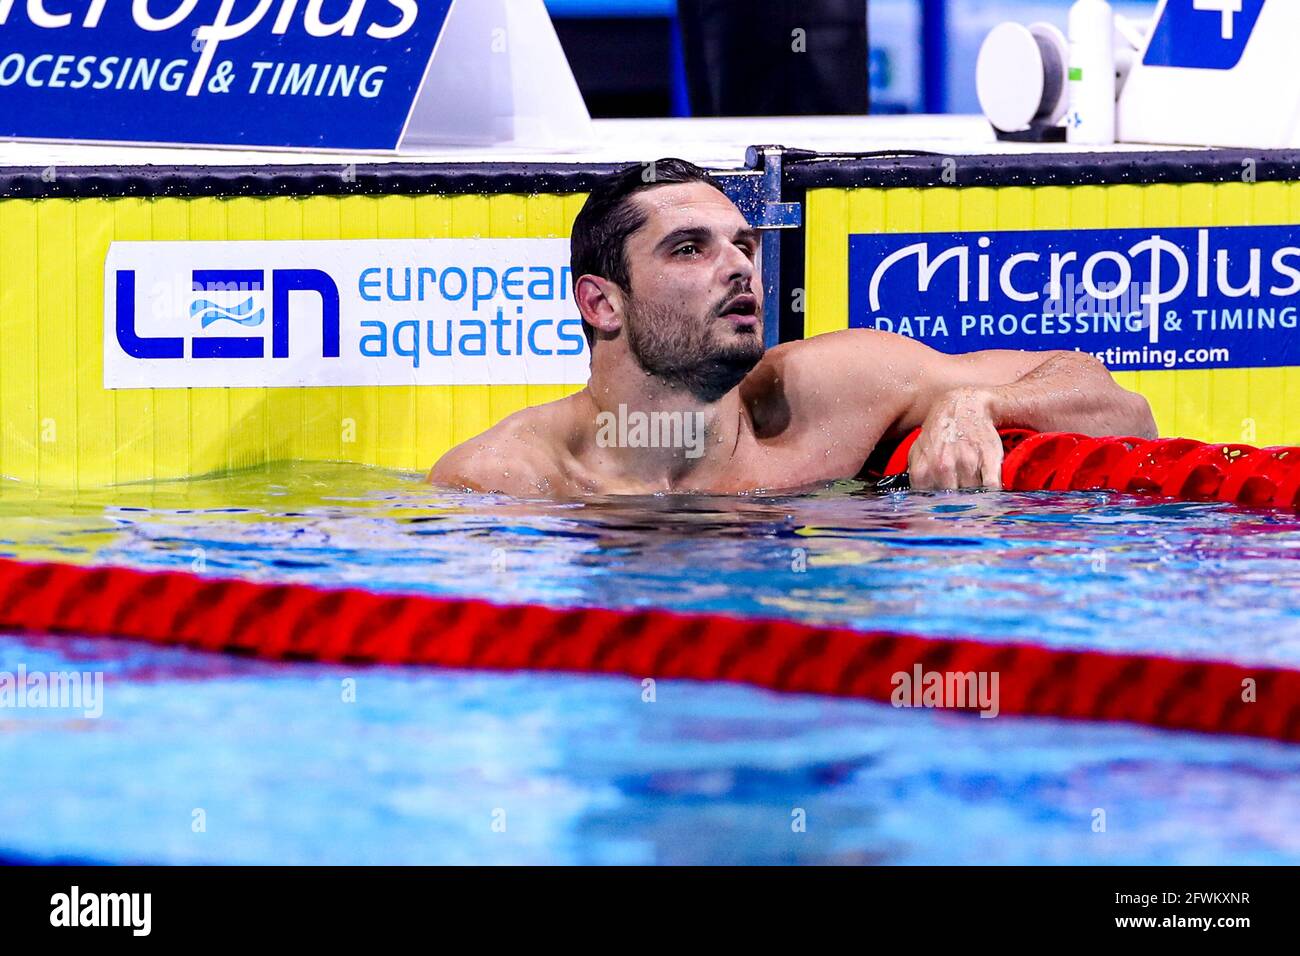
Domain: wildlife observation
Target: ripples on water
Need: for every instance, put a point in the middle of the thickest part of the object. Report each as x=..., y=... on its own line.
x=591, y=772
x=1087, y=569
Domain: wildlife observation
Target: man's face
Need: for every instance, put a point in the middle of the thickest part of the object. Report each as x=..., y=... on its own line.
x=694, y=313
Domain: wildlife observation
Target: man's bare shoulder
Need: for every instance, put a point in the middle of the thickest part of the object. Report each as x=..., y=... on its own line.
x=849, y=372
x=843, y=348
x=520, y=455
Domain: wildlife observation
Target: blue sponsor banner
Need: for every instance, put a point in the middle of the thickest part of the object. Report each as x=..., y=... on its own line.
x=330, y=74
x=1222, y=297
x=1203, y=34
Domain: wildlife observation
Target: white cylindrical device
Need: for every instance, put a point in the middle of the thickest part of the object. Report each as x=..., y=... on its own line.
x=1020, y=76
x=1091, y=116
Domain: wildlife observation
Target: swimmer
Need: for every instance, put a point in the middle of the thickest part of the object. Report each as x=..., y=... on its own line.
x=683, y=398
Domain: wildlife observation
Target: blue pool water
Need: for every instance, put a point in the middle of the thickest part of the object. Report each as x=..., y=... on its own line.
x=304, y=763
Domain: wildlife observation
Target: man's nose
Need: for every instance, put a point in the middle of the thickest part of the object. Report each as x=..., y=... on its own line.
x=737, y=265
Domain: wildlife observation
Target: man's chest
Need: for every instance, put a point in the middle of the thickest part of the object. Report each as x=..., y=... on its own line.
x=816, y=458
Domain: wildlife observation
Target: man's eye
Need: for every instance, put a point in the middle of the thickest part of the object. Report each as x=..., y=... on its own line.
x=689, y=249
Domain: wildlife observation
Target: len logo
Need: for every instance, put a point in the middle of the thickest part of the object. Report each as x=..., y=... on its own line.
x=248, y=284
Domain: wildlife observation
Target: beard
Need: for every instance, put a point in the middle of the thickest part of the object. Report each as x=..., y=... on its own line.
x=686, y=352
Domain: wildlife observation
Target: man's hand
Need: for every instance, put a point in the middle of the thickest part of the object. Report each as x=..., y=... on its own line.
x=959, y=446
x=958, y=400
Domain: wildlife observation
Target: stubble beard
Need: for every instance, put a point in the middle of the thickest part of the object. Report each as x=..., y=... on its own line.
x=683, y=353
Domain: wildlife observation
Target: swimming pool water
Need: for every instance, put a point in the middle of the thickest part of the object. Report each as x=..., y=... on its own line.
x=305, y=763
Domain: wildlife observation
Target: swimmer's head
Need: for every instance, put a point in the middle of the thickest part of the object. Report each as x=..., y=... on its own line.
x=665, y=266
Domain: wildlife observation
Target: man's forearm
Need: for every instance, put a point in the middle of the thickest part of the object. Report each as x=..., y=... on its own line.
x=1070, y=392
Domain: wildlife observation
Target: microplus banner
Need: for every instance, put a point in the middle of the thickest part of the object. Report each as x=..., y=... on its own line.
x=331, y=312
x=1215, y=297
x=330, y=74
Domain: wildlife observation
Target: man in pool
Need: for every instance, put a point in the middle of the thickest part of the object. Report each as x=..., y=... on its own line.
x=683, y=398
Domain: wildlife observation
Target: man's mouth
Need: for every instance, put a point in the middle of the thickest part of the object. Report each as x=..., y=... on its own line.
x=743, y=309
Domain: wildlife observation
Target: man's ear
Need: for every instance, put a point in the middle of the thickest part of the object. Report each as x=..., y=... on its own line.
x=601, y=303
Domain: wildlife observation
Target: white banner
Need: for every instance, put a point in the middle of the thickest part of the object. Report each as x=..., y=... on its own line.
x=341, y=312
x=1216, y=73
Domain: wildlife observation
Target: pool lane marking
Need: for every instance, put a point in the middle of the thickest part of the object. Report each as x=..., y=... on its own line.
x=283, y=621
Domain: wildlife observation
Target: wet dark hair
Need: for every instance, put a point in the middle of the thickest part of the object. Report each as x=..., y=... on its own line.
x=598, y=243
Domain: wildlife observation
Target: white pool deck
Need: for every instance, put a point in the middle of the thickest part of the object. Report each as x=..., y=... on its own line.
x=716, y=143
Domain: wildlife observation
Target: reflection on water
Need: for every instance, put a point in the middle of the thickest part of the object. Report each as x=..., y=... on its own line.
x=415, y=767
x=584, y=770
x=1074, y=569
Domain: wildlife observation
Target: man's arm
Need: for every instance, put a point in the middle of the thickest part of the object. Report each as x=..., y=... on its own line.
x=1067, y=391
x=885, y=386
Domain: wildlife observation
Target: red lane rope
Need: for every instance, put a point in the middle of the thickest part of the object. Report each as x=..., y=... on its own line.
x=1164, y=467
x=292, y=621
x=300, y=622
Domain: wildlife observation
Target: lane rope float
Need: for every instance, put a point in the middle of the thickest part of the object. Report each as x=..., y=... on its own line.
x=1162, y=467
x=301, y=622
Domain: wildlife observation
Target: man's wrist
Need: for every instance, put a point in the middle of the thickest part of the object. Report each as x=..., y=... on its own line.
x=982, y=399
